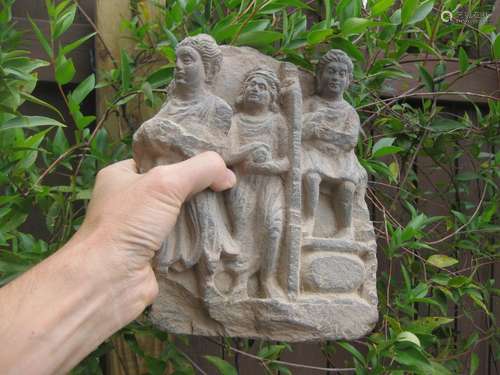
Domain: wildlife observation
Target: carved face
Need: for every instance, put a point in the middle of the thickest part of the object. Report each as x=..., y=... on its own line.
x=257, y=92
x=334, y=79
x=189, y=68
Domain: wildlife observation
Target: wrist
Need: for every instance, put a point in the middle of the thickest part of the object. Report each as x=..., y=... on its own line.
x=111, y=276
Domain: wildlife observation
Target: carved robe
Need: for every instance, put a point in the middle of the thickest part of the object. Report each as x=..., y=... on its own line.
x=181, y=130
x=257, y=202
x=330, y=133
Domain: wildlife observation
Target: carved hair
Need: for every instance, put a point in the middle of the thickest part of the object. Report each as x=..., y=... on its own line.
x=334, y=55
x=210, y=52
x=272, y=82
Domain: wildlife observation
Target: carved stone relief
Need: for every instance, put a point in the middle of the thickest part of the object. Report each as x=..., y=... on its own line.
x=289, y=253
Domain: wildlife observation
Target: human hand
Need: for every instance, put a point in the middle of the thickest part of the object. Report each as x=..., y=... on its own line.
x=131, y=214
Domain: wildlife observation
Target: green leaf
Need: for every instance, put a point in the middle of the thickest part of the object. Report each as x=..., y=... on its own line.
x=126, y=72
x=224, y=367
x=318, y=36
x=441, y=261
x=29, y=122
x=441, y=124
x=428, y=324
x=77, y=43
x=463, y=60
x=347, y=9
x=277, y=5
x=346, y=46
x=272, y=352
x=35, y=100
x=458, y=281
x=148, y=91
x=384, y=147
x=351, y=349
x=422, y=11
x=64, y=22
x=83, y=89
x=474, y=363
x=496, y=47
x=408, y=10
x=412, y=356
x=161, y=77
x=60, y=143
x=328, y=12
x=41, y=38
x=381, y=6
x=84, y=194
x=65, y=70
x=407, y=336
x=155, y=366
x=356, y=25
x=426, y=78
x=258, y=38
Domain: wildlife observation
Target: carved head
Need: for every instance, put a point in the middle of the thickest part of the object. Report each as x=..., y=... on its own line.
x=333, y=73
x=199, y=59
x=261, y=88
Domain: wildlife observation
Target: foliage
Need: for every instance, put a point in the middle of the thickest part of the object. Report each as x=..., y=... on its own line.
x=440, y=269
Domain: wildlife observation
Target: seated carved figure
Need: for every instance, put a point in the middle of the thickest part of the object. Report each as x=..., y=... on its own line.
x=193, y=120
x=256, y=205
x=330, y=133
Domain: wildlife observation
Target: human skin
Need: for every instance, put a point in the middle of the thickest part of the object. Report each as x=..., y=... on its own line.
x=55, y=314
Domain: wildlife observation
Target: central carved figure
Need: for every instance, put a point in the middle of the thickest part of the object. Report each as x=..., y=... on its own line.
x=257, y=204
x=264, y=260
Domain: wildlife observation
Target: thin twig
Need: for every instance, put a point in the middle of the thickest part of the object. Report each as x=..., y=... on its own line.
x=190, y=360
x=463, y=226
x=264, y=362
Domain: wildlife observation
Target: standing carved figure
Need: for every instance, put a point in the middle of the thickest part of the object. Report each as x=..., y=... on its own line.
x=193, y=120
x=257, y=204
x=330, y=133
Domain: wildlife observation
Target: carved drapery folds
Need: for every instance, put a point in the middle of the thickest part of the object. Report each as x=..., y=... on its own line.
x=289, y=253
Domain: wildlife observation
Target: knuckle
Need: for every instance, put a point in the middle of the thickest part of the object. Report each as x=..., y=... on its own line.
x=163, y=181
x=215, y=159
x=104, y=172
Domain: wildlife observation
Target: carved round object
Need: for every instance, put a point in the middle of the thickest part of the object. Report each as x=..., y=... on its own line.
x=326, y=272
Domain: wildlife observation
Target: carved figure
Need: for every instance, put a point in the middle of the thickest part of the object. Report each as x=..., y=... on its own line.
x=258, y=201
x=330, y=134
x=193, y=120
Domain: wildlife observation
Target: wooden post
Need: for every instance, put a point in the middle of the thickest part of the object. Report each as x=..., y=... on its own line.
x=110, y=41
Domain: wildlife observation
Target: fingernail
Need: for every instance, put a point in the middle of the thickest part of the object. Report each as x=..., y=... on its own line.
x=230, y=178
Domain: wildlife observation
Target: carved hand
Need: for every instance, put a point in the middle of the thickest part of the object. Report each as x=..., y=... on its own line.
x=261, y=154
x=268, y=167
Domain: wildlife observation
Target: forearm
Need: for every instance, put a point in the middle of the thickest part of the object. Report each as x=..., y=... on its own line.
x=59, y=311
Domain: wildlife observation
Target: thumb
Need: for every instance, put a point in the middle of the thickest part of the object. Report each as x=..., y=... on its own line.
x=199, y=172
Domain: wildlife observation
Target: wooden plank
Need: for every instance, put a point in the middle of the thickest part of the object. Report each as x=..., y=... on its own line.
x=482, y=81
x=36, y=9
x=82, y=56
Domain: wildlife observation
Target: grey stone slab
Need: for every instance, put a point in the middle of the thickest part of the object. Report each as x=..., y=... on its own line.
x=289, y=253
